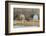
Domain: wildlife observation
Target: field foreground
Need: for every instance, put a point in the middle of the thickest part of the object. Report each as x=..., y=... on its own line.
x=26, y=23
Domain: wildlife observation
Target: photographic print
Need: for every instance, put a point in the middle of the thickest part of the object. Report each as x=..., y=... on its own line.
x=24, y=17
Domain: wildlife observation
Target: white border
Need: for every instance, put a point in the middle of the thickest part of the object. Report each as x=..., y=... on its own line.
x=24, y=29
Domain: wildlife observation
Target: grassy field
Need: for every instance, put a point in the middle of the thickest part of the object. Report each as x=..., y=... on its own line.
x=26, y=23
